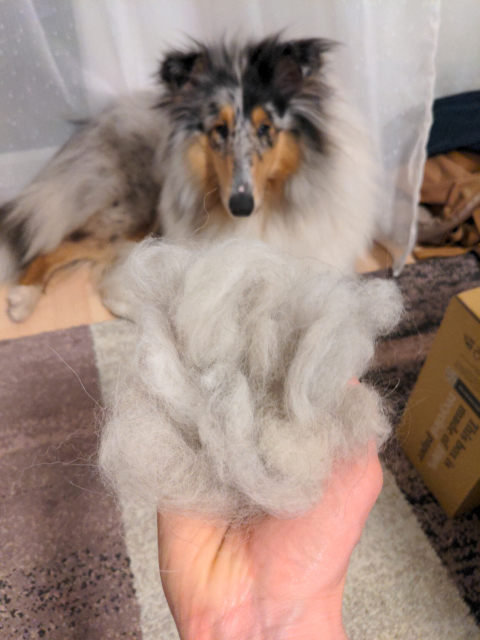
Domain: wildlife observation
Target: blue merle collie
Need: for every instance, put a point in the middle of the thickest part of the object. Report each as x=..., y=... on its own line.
x=249, y=140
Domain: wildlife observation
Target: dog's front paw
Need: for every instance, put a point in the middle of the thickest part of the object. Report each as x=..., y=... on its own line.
x=22, y=300
x=115, y=292
x=118, y=304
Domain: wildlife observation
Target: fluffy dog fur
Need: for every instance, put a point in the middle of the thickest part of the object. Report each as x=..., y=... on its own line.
x=249, y=140
x=239, y=399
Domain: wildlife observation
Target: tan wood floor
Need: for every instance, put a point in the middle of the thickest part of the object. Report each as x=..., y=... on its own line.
x=71, y=300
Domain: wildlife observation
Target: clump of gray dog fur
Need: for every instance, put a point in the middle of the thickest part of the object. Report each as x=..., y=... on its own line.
x=239, y=399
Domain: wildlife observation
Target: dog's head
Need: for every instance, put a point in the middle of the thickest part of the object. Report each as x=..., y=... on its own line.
x=246, y=115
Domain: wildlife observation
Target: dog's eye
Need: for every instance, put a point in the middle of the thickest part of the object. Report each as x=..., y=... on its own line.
x=222, y=130
x=263, y=130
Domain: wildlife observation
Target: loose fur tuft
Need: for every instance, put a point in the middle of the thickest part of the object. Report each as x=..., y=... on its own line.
x=240, y=399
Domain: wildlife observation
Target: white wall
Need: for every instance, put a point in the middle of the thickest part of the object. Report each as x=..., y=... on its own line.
x=457, y=60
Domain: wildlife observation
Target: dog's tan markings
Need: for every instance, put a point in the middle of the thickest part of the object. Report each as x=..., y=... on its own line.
x=259, y=117
x=223, y=171
x=69, y=252
x=222, y=128
x=207, y=155
x=212, y=169
x=41, y=269
x=227, y=116
x=274, y=163
x=274, y=166
x=201, y=159
x=220, y=158
x=287, y=156
x=198, y=158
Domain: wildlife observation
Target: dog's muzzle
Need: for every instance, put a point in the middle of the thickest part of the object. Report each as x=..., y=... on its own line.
x=241, y=204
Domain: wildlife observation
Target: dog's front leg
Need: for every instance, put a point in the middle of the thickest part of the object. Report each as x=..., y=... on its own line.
x=23, y=297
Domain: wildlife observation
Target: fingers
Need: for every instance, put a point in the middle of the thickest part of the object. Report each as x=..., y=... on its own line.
x=184, y=536
x=333, y=528
x=349, y=496
x=352, y=490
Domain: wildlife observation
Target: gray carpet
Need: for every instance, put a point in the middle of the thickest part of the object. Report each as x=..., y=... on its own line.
x=74, y=564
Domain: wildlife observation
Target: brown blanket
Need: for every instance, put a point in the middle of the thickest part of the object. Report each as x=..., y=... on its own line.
x=450, y=225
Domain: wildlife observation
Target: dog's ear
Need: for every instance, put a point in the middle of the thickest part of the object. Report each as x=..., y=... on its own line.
x=286, y=65
x=179, y=67
x=298, y=60
x=307, y=54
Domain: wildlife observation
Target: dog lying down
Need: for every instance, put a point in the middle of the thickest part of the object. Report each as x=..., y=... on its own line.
x=240, y=396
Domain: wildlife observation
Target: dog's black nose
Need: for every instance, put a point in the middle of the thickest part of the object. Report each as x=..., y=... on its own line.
x=241, y=204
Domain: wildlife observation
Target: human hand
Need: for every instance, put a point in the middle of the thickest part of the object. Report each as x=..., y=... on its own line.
x=274, y=579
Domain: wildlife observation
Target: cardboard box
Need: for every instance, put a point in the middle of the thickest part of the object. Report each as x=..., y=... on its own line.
x=440, y=429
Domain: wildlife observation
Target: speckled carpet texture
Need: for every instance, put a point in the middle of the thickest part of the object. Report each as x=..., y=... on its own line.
x=76, y=565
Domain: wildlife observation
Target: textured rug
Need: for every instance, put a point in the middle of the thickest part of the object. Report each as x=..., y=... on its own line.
x=76, y=565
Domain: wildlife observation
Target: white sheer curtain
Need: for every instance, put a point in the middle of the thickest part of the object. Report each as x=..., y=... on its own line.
x=63, y=59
